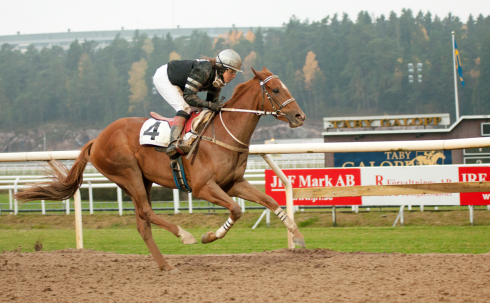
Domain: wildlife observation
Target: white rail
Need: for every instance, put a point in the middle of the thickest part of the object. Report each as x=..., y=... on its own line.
x=338, y=147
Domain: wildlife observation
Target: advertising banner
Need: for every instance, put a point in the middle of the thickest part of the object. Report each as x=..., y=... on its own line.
x=475, y=174
x=410, y=175
x=333, y=177
x=301, y=178
x=393, y=158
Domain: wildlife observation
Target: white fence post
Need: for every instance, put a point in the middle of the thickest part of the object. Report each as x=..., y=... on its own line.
x=334, y=217
x=268, y=217
x=240, y=202
x=67, y=206
x=11, y=202
x=119, y=200
x=289, y=192
x=16, y=209
x=399, y=216
x=421, y=208
x=190, y=203
x=43, y=207
x=260, y=219
x=471, y=208
x=176, y=201
x=402, y=219
x=77, y=201
x=90, y=198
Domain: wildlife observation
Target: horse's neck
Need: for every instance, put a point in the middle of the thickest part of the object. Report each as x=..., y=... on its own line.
x=242, y=125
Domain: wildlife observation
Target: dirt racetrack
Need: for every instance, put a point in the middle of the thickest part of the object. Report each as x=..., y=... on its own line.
x=276, y=276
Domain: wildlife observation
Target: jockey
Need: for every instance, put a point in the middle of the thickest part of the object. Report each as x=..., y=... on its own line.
x=179, y=81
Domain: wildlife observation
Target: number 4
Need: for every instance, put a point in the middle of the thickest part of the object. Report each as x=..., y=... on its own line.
x=154, y=132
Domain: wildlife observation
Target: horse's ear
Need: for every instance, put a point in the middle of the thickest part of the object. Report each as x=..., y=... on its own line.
x=255, y=72
x=266, y=70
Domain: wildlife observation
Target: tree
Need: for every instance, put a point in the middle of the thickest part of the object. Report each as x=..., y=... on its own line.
x=138, y=89
x=248, y=63
x=310, y=69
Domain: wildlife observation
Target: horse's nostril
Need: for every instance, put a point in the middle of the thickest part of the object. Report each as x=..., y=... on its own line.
x=300, y=117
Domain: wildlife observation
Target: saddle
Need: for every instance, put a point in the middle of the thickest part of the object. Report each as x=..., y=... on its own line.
x=193, y=125
x=156, y=132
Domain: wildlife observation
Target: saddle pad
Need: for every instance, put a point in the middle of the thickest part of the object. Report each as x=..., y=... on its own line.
x=155, y=132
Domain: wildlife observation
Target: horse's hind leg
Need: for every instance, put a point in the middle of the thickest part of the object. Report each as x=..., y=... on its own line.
x=133, y=185
x=144, y=228
x=186, y=237
x=137, y=191
x=246, y=191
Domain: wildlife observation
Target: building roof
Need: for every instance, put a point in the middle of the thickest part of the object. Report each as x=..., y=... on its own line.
x=104, y=38
x=403, y=131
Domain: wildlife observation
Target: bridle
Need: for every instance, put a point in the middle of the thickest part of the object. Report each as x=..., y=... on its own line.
x=271, y=99
x=276, y=112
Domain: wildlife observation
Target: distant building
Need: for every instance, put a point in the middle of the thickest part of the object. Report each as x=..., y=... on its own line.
x=104, y=38
x=405, y=128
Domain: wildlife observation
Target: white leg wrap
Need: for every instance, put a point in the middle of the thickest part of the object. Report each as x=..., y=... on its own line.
x=290, y=225
x=225, y=228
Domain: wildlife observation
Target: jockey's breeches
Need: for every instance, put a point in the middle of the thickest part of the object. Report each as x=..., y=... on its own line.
x=171, y=93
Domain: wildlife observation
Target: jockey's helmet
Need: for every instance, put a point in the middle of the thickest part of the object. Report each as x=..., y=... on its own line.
x=228, y=58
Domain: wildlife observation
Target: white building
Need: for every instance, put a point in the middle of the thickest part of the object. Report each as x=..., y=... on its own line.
x=104, y=38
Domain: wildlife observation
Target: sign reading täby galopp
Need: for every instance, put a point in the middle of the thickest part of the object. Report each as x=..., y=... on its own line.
x=302, y=178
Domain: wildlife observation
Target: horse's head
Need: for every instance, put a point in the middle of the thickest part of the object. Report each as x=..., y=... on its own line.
x=277, y=98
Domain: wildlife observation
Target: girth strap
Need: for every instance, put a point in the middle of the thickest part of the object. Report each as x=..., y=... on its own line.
x=240, y=150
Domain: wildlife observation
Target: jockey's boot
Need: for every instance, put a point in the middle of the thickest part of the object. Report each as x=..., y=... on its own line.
x=175, y=132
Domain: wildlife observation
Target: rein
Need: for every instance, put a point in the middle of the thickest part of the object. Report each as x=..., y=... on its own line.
x=276, y=112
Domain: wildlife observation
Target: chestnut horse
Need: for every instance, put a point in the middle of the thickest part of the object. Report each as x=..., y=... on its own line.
x=214, y=172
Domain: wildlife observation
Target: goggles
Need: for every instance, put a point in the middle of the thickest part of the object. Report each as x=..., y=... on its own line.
x=231, y=71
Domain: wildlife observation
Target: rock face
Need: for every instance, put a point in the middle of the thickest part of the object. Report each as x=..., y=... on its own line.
x=53, y=138
x=282, y=131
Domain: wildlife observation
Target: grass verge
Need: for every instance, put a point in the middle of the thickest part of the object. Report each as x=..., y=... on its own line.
x=437, y=239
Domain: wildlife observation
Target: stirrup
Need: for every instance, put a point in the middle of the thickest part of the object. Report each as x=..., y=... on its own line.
x=172, y=150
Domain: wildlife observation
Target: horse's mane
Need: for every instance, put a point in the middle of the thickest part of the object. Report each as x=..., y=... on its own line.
x=241, y=88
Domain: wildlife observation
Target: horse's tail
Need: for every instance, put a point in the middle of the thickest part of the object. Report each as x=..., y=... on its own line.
x=63, y=184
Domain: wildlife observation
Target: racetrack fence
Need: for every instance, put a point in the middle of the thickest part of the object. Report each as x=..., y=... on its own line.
x=265, y=151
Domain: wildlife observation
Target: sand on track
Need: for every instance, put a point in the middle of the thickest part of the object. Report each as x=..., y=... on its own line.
x=299, y=275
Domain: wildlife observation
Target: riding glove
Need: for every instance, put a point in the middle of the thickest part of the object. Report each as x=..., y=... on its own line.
x=215, y=106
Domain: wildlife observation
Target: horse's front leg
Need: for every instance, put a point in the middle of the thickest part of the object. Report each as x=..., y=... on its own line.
x=214, y=194
x=246, y=191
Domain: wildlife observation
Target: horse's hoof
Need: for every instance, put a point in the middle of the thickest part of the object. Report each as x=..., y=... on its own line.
x=298, y=239
x=169, y=268
x=208, y=237
x=299, y=242
x=174, y=271
x=186, y=237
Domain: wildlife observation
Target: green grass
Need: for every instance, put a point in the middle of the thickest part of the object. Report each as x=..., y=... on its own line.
x=440, y=239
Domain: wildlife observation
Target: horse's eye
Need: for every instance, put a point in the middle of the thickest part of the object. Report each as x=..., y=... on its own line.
x=276, y=91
